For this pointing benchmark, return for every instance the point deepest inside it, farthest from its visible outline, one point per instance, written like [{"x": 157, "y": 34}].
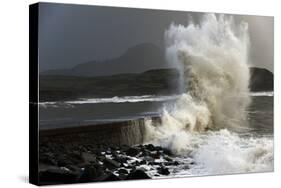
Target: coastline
[{"x": 105, "y": 152}]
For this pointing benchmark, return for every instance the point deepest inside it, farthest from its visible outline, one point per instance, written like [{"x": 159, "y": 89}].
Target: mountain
[
  {"x": 261, "y": 79},
  {"x": 136, "y": 59}
]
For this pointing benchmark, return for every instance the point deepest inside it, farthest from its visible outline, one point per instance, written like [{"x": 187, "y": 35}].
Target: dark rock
[
  {"x": 132, "y": 151},
  {"x": 63, "y": 160},
  {"x": 171, "y": 163},
  {"x": 109, "y": 177},
  {"x": 74, "y": 168},
  {"x": 145, "y": 152},
  {"x": 163, "y": 171},
  {"x": 57, "y": 175},
  {"x": 120, "y": 159},
  {"x": 89, "y": 158},
  {"x": 135, "y": 163},
  {"x": 155, "y": 154},
  {"x": 148, "y": 159},
  {"x": 167, "y": 158},
  {"x": 48, "y": 158},
  {"x": 158, "y": 148},
  {"x": 91, "y": 173},
  {"x": 154, "y": 163},
  {"x": 137, "y": 174},
  {"x": 150, "y": 147},
  {"x": 111, "y": 164},
  {"x": 75, "y": 157},
  {"x": 142, "y": 162},
  {"x": 167, "y": 152},
  {"x": 122, "y": 171},
  {"x": 142, "y": 168}
]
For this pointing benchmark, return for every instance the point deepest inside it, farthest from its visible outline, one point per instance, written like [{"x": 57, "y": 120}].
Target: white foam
[
  {"x": 116, "y": 99},
  {"x": 213, "y": 58},
  {"x": 263, "y": 93},
  {"x": 219, "y": 152}
]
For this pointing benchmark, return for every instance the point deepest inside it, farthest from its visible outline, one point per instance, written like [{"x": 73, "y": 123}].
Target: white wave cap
[{"x": 214, "y": 64}]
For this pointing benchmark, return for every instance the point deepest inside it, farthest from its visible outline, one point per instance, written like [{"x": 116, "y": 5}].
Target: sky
[{"x": 74, "y": 34}]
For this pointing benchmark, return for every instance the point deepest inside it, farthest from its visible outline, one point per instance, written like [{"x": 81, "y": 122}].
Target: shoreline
[{"x": 95, "y": 153}]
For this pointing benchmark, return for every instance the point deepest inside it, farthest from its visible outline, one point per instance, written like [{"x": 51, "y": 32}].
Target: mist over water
[{"x": 203, "y": 122}]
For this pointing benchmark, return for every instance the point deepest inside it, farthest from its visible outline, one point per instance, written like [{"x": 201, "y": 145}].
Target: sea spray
[{"x": 213, "y": 59}]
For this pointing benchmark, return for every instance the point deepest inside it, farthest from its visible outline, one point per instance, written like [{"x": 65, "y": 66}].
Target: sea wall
[{"x": 130, "y": 132}]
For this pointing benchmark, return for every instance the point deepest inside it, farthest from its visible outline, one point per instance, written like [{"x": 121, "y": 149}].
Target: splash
[{"x": 213, "y": 59}]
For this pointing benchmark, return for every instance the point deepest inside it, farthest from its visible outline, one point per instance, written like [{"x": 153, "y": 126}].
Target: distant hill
[
  {"x": 136, "y": 59},
  {"x": 261, "y": 79},
  {"x": 152, "y": 82}
]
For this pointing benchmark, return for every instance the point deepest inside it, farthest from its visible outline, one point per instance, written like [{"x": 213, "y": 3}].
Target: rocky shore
[{"x": 76, "y": 163}]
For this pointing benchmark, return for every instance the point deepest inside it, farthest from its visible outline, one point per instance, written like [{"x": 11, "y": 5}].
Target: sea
[{"x": 246, "y": 149}]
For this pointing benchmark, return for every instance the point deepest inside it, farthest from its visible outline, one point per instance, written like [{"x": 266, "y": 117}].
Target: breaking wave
[
  {"x": 213, "y": 59},
  {"x": 263, "y": 93},
  {"x": 129, "y": 99}
]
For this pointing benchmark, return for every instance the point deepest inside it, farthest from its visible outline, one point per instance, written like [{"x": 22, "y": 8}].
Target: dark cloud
[{"x": 73, "y": 34}]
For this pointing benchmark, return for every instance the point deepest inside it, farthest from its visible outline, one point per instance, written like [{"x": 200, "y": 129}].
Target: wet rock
[
  {"x": 163, "y": 171},
  {"x": 155, "y": 154},
  {"x": 154, "y": 163},
  {"x": 120, "y": 159},
  {"x": 158, "y": 148},
  {"x": 110, "y": 164},
  {"x": 137, "y": 174},
  {"x": 75, "y": 157},
  {"x": 74, "y": 168},
  {"x": 150, "y": 147},
  {"x": 57, "y": 175},
  {"x": 167, "y": 152},
  {"x": 109, "y": 177},
  {"x": 62, "y": 160},
  {"x": 122, "y": 171},
  {"x": 48, "y": 158},
  {"x": 132, "y": 151},
  {"x": 89, "y": 158},
  {"x": 142, "y": 162},
  {"x": 171, "y": 163},
  {"x": 90, "y": 173},
  {"x": 167, "y": 158}
]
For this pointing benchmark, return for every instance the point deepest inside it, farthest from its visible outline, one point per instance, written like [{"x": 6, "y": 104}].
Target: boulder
[
  {"x": 137, "y": 174},
  {"x": 110, "y": 164},
  {"x": 132, "y": 151},
  {"x": 150, "y": 147},
  {"x": 89, "y": 158},
  {"x": 162, "y": 170},
  {"x": 90, "y": 173},
  {"x": 122, "y": 171},
  {"x": 109, "y": 177}
]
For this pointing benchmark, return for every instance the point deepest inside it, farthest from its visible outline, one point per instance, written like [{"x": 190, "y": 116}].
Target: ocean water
[
  {"x": 244, "y": 149},
  {"x": 248, "y": 148},
  {"x": 93, "y": 111}
]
